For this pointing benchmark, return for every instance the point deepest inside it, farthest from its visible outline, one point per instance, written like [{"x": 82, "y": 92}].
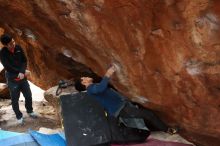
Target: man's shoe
[
  {"x": 21, "y": 121},
  {"x": 33, "y": 115},
  {"x": 172, "y": 130}
]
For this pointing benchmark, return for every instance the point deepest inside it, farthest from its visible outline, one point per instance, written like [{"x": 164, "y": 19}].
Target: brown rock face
[
  {"x": 4, "y": 92},
  {"x": 166, "y": 50},
  {"x": 2, "y": 76}
]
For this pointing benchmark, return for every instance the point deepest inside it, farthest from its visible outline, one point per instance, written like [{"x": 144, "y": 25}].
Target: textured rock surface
[
  {"x": 2, "y": 76},
  {"x": 4, "y": 92},
  {"x": 167, "y": 51},
  {"x": 50, "y": 96}
]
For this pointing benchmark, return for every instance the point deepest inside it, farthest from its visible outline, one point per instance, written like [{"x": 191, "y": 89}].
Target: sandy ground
[
  {"x": 46, "y": 113},
  {"x": 47, "y": 117}
]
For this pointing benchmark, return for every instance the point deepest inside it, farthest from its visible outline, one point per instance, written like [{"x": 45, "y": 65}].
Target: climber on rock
[
  {"x": 117, "y": 105},
  {"x": 15, "y": 63}
]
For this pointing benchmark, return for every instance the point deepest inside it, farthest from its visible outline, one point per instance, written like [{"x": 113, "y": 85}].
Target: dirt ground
[{"x": 47, "y": 117}]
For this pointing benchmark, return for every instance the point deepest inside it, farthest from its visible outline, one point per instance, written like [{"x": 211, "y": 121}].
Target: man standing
[{"x": 15, "y": 63}]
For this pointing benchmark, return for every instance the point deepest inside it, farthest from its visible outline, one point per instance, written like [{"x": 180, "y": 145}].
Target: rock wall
[{"x": 167, "y": 51}]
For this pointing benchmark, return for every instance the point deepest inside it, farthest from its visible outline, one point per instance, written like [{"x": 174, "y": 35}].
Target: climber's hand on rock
[
  {"x": 110, "y": 71},
  {"x": 27, "y": 73}
]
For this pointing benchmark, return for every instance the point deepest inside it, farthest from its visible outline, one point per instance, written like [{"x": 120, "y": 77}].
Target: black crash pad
[
  {"x": 84, "y": 120},
  {"x": 85, "y": 123}
]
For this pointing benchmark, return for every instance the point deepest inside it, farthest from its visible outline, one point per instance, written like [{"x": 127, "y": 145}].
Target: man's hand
[
  {"x": 27, "y": 73},
  {"x": 110, "y": 71},
  {"x": 21, "y": 76}
]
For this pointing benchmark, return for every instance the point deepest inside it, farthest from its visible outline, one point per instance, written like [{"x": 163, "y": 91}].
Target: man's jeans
[
  {"x": 151, "y": 120},
  {"x": 15, "y": 88}
]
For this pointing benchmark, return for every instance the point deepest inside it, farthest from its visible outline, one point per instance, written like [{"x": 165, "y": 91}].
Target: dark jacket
[
  {"x": 13, "y": 62},
  {"x": 111, "y": 100}
]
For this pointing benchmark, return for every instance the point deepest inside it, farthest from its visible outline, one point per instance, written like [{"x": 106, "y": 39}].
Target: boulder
[
  {"x": 167, "y": 51},
  {"x": 53, "y": 99},
  {"x": 4, "y": 92}
]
